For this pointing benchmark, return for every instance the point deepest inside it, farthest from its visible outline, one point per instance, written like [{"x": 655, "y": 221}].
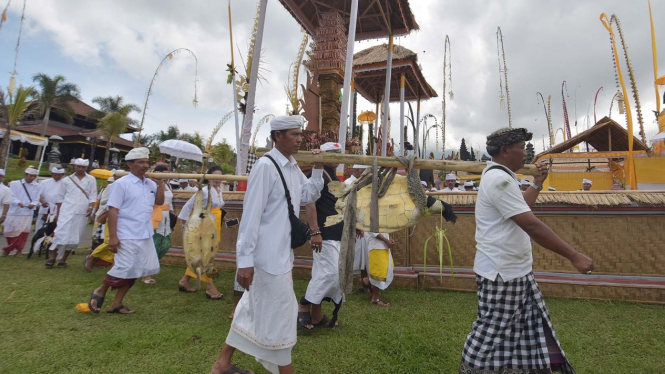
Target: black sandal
[
  {"x": 118, "y": 310},
  {"x": 49, "y": 264},
  {"x": 236, "y": 370},
  {"x": 98, "y": 299},
  {"x": 62, "y": 264},
  {"x": 304, "y": 319}
]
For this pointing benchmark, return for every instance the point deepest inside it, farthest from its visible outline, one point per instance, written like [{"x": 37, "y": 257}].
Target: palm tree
[
  {"x": 114, "y": 119},
  {"x": 14, "y": 110},
  {"x": 55, "y": 95}
]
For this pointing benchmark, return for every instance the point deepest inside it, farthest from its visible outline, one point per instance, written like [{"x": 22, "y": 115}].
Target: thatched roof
[
  {"x": 375, "y": 18},
  {"x": 369, "y": 68},
  {"x": 579, "y": 198},
  {"x": 605, "y": 136},
  {"x": 647, "y": 199}
]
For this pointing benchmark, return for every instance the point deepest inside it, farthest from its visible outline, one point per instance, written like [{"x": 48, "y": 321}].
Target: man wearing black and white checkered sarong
[{"x": 513, "y": 333}]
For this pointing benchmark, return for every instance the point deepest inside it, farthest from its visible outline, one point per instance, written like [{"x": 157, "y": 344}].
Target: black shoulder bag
[{"x": 300, "y": 232}]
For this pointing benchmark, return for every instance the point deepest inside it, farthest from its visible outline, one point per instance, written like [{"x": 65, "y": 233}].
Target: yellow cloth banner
[
  {"x": 572, "y": 181},
  {"x": 650, "y": 169},
  {"x": 379, "y": 263}
]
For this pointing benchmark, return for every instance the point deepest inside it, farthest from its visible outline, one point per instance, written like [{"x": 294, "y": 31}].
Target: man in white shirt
[
  {"x": 358, "y": 170},
  {"x": 191, "y": 185},
  {"x": 75, "y": 199},
  {"x": 468, "y": 186},
  {"x": 25, "y": 197},
  {"x": 5, "y": 198},
  {"x": 450, "y": 181},
  {"x": 49, "y": 190},
  {"x": 586, "y": 184},
  {"x": 129, "y": 222},
  {"x": 264, "y": 324},
  {"x": 513, "y": 332},
  {"x": 325, "y": 242}
]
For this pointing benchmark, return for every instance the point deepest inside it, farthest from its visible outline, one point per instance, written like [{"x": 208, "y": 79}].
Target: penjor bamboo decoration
[
  {"x": 208, "y": 146},
  {"x": 3, "y": 17},
  {"x": 292, "y": 88},
  {"x": 267, "y": 118},
  {"x": 447, "y": 66},
  {"x": 660, "y": 116},
  {"x": 547, "y": 117},
  {"x": 566, "y": 121},
  {"x": 501, "y": 55},
  {"x": 631, "y": 76},
  {"x": 168, "y": 57},
  {"x": 14, "y": 73},
  {"x": 629, "y": 166}
]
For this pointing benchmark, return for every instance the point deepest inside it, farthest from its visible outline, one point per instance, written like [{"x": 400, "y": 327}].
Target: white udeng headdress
[
  {"x": 286, "y": 123},
  {"x": 137, "y": 153},
  {"x": 81, "y": 162}
]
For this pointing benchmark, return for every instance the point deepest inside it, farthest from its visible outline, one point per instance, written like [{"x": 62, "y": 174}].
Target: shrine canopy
[
  {"x": 606, "y": 137},
  {"x": 370, "y": 66},
  {"x": 376, "y": 18}
]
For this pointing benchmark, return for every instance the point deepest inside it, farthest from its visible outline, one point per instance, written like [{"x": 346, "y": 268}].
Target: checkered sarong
[
  {"x": 511, "y": 332},
  {"x": 251, "y": 160}
]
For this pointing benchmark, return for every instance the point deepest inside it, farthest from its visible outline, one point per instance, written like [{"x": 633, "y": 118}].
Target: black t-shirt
[{"x": 325, "y": 206}]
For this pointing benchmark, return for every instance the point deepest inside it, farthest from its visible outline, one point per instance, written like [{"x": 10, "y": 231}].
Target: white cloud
[{"x": 113, "y": 48}]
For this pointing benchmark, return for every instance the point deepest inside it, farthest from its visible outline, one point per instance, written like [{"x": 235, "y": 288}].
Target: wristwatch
[{"x": 537, "y": 188}]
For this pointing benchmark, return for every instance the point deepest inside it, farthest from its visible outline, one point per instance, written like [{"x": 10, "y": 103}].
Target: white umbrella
[{"x": 181, "y": 149}]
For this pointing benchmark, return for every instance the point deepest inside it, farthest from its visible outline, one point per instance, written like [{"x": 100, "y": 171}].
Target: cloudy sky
[{"x": 112, "y": 47}]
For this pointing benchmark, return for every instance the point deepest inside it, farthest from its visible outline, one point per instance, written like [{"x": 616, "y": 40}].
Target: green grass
[{"x": 172, "y": 332}]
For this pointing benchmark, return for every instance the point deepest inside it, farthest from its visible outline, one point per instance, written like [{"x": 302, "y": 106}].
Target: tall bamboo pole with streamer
[
  {"x": 168, "y": 57},
  {"x": 447, "y": 77},
  {"x": 14, "y": 73},
  {"x": 566, "y": 120},
  {"x": 232, "y": 81},
  {"x": 657, "y": 81},
  {"x": 501, "y": 56},
  {"x": 3, "y": 17},
  {"x": 547, "y": 117},
  {"x": 629, "y": 166},
  {"x": 631, "y": 75}
]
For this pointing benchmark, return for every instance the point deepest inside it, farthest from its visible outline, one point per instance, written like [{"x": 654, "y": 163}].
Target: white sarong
[
  {"x": 15, "y": 225},
  {"x": 69, "y": 230},
  {"x": 135, "y": 259},
  {"x": 359, "y": 262},
  {"x": 265, "y": 320},
  {"x": 325, "y": 274}
]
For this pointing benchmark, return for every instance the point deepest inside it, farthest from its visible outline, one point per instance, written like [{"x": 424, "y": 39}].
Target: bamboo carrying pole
[
  {"x": 226, "y": 177},
  {"x": 468, "y": 166}
]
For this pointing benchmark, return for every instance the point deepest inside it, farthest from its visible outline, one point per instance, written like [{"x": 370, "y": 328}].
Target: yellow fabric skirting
[
  {"x": 379, "y": 263},
  {"x": 217, "y": 212},
  {"x": 102, "y": 251}
]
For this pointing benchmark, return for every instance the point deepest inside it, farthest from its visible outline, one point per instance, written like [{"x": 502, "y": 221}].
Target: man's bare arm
[{"x": 545, "y": 237}]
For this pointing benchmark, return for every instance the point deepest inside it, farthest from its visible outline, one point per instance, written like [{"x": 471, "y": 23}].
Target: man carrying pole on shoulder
[{"x": 513, "y": 332}]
